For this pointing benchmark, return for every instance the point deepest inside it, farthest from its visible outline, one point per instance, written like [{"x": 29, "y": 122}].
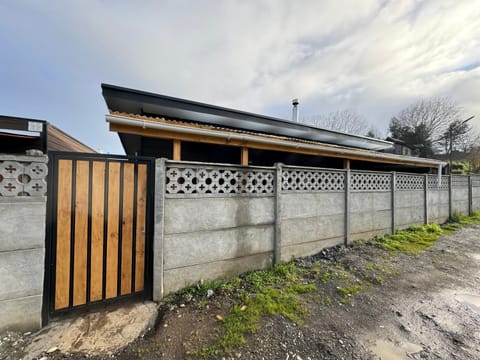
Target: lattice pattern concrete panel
[
  {"x": 370, "y": 182},
  {"x": 433, "y": 182},
  {"x": 218, "y": 181},
  {"x": 21, "y": 178},
  {"x": 409, "y": 182},
  {"x": 459, "y": 181},
  {"x": 312, "y": 180}
]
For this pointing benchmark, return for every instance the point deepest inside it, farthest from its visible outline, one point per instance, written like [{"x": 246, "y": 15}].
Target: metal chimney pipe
[{"x": 295, "y": 110}]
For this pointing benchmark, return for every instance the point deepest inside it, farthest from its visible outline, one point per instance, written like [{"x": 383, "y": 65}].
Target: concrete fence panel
[
  {"x": 475, "y": 193},
  {"x": 438, "y": 207},
  {"x": 409, "y": 208},
  {"x": 187, "y": 215},
  {"x": 22, "y": 240},
  {"x": 460, "y": 201},
  {"x": 218, "y": 221},
  {"x": 311, "y": 222},
  {"x": 460, "y": 195},
  {"x": 223, "y": 236},
  {"x": 370, "y": 215}
]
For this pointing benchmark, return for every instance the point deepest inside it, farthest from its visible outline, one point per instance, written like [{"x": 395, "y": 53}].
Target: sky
[{"x": 373, "y": 57}]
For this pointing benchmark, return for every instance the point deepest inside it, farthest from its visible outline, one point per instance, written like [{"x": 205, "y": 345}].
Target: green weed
[
  {"x": 350, "y": 290},
  {"x": 416, "y": 239},
  {"x": 268, "y": 302},
  {"x": 257, "y": 280},
  {"x": 413, "y": 240},
  {"x": 466, "y": 220},
  {"x": 301, "y": 289}
]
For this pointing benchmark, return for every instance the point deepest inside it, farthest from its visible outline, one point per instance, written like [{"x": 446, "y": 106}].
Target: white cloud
[{"x": 373, "y": 56}]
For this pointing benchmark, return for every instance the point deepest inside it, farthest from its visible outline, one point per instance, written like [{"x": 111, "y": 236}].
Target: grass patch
[
  {"x": 466, "y": 220},
  {"x": 268, "y": 293},
  {"x": 458, "y": 221},
  {"x": 350, "y": 290},
  {"x": 416, "y": 239},
  {"x": 413, "y": 240},
  {"x": 280, "y": 273}
]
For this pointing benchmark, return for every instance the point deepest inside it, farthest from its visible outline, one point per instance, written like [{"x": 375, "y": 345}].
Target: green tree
[
  {"x": 424, "y": 125},
  {"x": 417, "y": 138}
]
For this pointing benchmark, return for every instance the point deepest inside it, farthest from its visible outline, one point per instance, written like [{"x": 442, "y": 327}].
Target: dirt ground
[{"x": 423, "y": 306}]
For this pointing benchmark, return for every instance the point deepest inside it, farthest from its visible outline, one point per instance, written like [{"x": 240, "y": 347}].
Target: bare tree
[
  {"x": 426, "y": 124},
  {"x": 374, "y": 132},
  {"x": 347, "y": 121}
]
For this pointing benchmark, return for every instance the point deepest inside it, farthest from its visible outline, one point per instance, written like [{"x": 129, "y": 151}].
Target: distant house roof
[
  {"x": 144, "y": 103},
  {"x": 396, "y": 141},
  {"x": 20, "y": 134}
]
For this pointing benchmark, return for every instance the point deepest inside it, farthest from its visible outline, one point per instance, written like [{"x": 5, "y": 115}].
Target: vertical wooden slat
[
  {"x": 63, "y": 217},
  {"x": 177, "y": 150},
  {"x": 244, "y": 156},
  {"x": 96, "y": 267},
  {"x": 127, "y": 228},
  {"x": 81, "y": 223},
  {"x": 141, "y": 227},
  {"x": 112, "y": 230}
]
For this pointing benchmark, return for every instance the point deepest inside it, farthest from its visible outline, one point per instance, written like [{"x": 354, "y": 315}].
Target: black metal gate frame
[{"x": 50, "y": 239}]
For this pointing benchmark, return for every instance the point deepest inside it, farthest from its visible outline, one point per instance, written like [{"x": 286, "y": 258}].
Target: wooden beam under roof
[{"x": 291, "y": 147}]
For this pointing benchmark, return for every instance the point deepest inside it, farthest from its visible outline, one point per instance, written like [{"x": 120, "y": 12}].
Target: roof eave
[
  {"x": 333, "y": 150},
  {"x": 141, "y": 102}
]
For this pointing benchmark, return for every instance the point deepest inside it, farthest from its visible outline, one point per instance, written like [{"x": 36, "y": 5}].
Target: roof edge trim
[{"x": 338, "y": 150}]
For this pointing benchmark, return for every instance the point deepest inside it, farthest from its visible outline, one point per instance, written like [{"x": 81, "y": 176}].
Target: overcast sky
[{"x": 374, "y": 57}]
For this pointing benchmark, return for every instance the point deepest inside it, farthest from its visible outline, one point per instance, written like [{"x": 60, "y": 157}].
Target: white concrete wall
[
  {"x": 311, "y": 222},
  {"x": 22, "y": 249},
  {"x": 208, "y": 238}
]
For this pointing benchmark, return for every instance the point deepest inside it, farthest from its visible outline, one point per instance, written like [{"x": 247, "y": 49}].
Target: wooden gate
[{"x": 98, "y": 229}]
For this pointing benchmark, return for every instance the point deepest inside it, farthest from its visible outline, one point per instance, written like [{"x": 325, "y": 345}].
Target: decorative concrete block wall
[
  {"x": 218, "y": 221},
  {"x": 22, "y": 240},
  {"x": 410, "y": 198},
  {"x": 310, "y": 210},
  {"x": 214, "y": 221},
  {"x": 438, "y": 199}
]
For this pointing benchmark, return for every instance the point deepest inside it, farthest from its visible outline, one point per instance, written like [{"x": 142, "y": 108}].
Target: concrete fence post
[
  {"x": 393, "y": 186},
  {"x": 450, "y": 212},
  {"x": 347, "y": 207},
  {"x": 425, "y": 197},
  {"x": 470, "y": 196},
  {"x": 159, "y": 216},
  {"x": 277, "y": 245}
]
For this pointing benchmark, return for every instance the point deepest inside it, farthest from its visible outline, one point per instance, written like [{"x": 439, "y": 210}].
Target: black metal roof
[{"x": 132, "y": 101}]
